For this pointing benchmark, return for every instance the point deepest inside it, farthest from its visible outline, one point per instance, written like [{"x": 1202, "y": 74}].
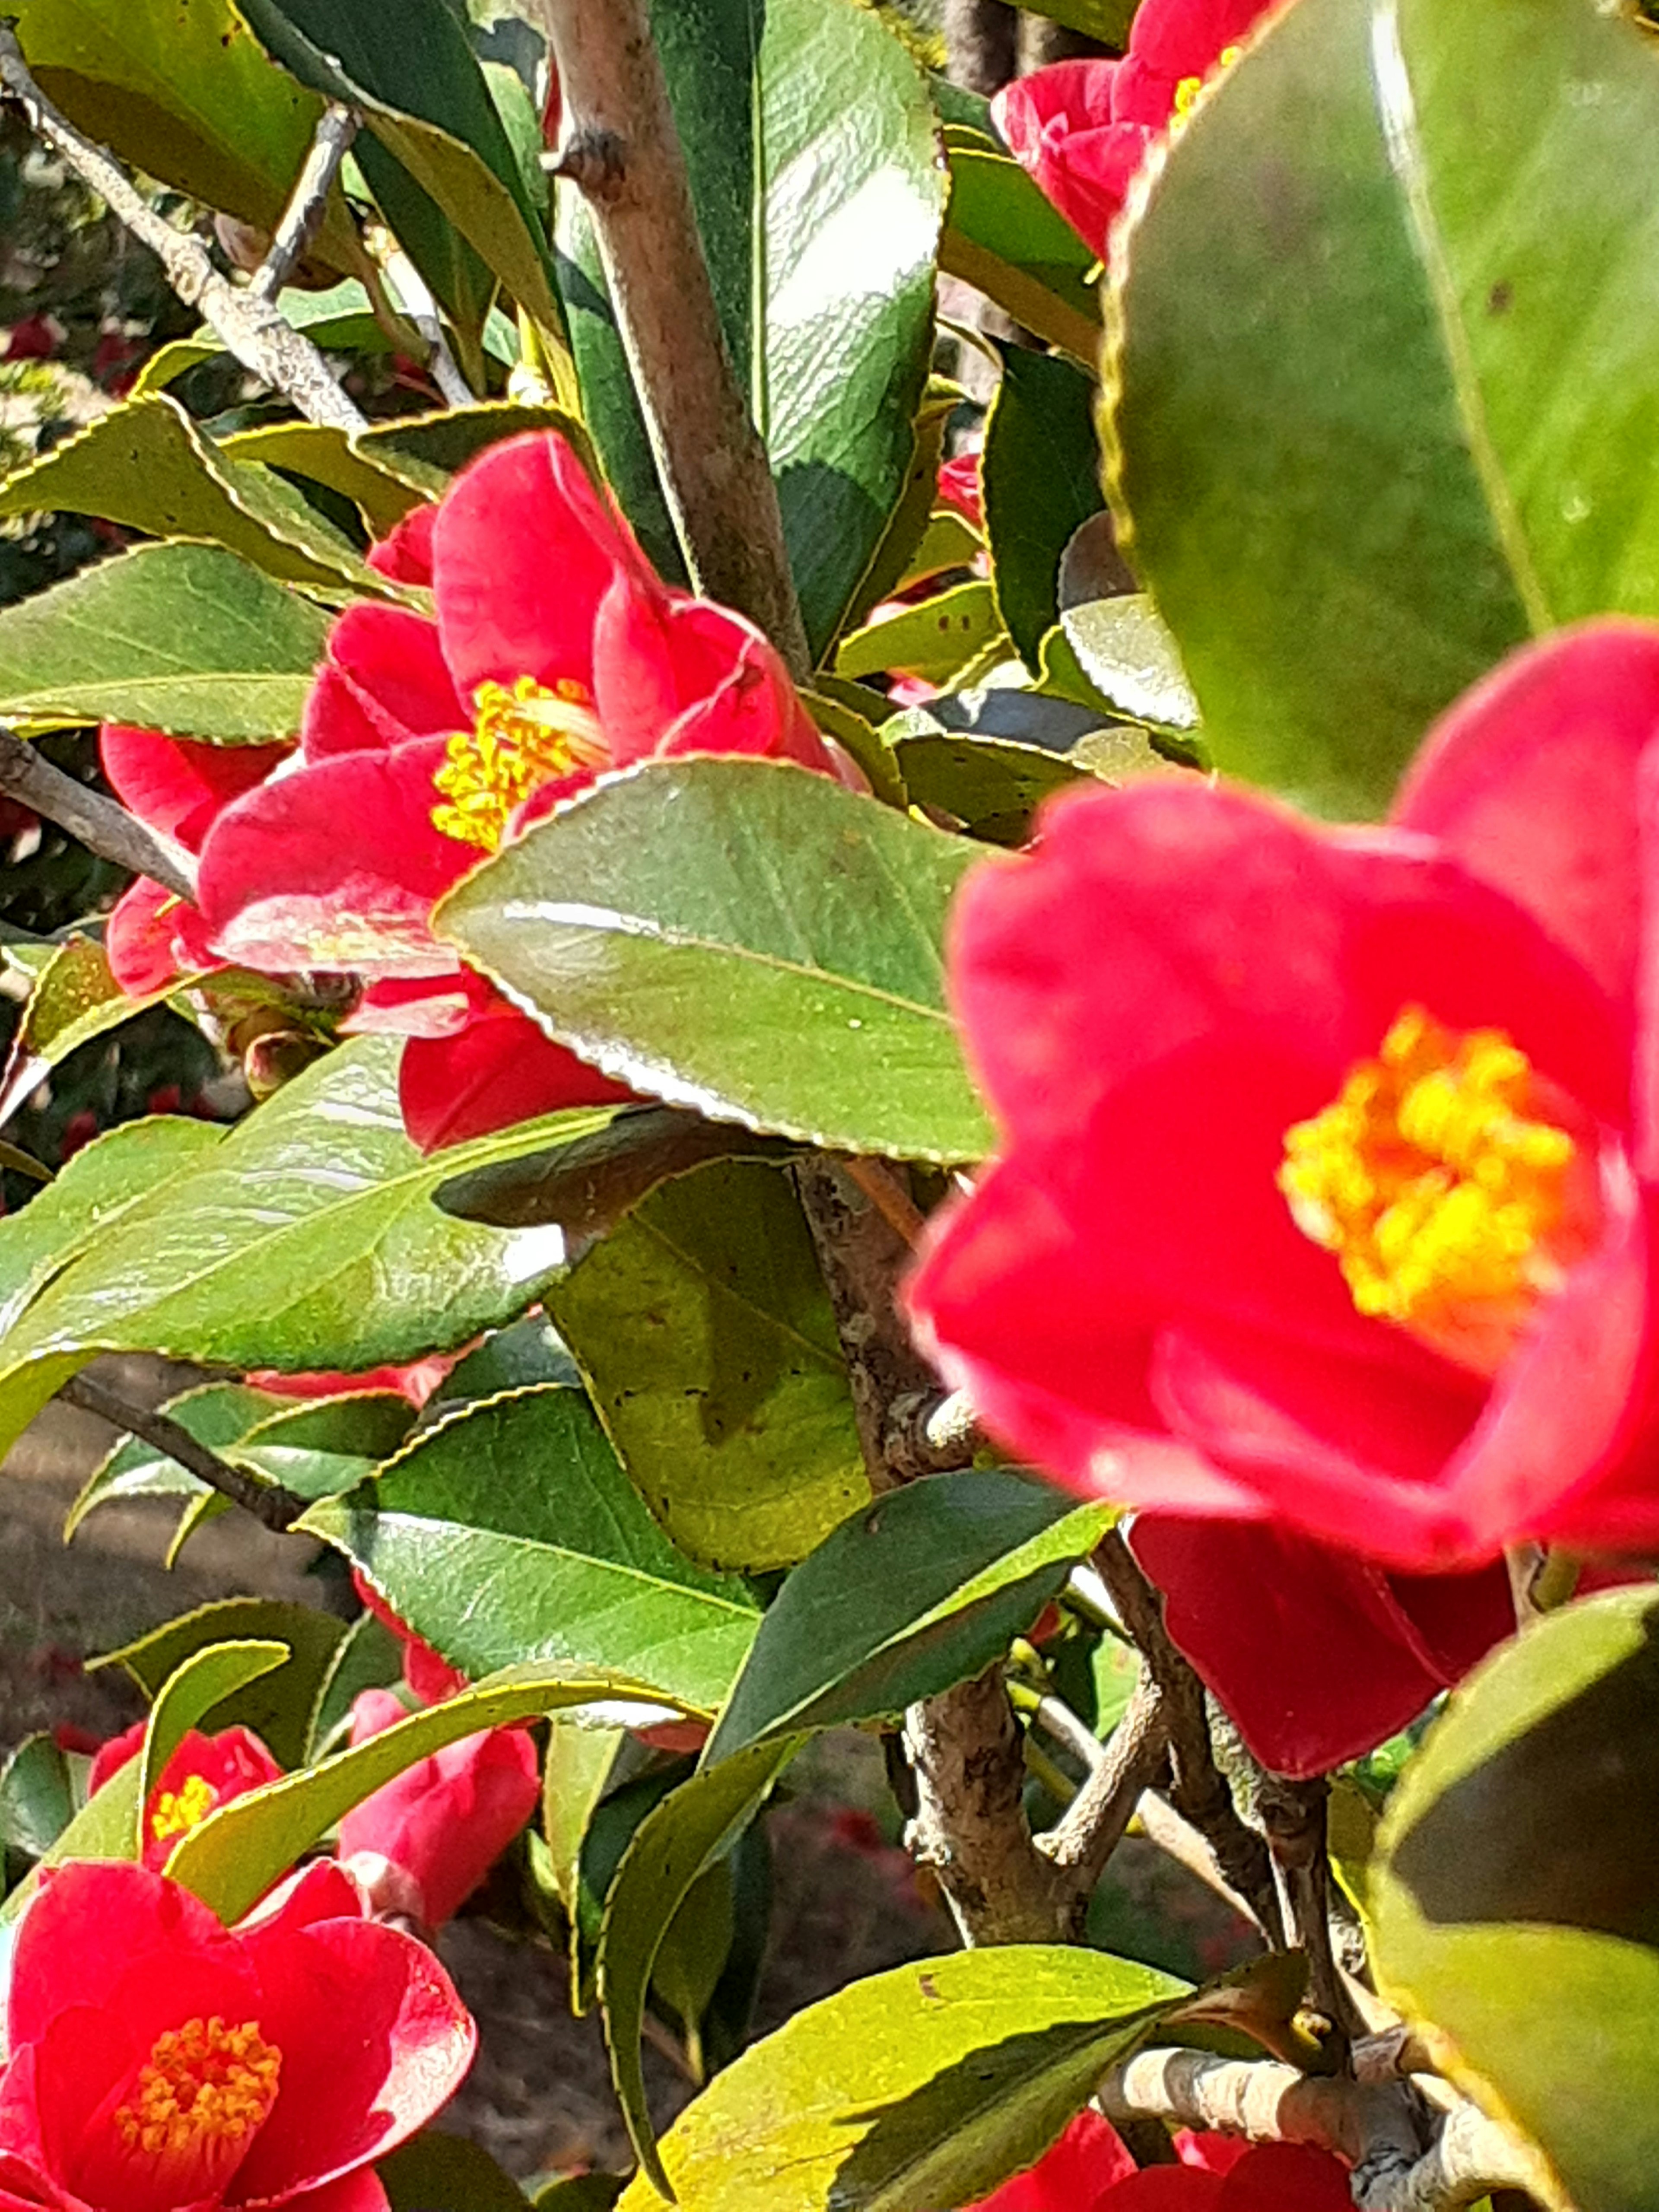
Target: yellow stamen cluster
[
  {"x": 1430, "y": 1180},
  {"x": 205, "y": 2091},
  {"x": 1186, "y": 92},
  {"x": 177, "y": 1814},
  {"x": 520, "y": 740}
]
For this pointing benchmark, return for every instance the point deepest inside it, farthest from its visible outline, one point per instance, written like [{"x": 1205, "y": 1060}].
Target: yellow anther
[
  {"x": 1186, "y": 92},
  {"x": 520, "y": 740},
  {"x": 1447, "y": 1201},
  {"x": 197, "y": 2104},
  {"x": 177, "y": 1814}
]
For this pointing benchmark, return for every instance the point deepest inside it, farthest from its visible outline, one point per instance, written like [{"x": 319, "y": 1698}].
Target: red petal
[
  {"x": 524, "y": 548},
  {"x": 1173, "y": 39},
  {"x": 320, "y": 1891},
  {"x": 140, "y": 938},
  {"x": 405, "y": 556},
  {"x": 1287, "y": 2177},
  {"x": 1072, "y": 2176},
  {"x": 374, "y": 2040},
  {"x": 176, "y": 786},
  {"x": 1530, "y": 780},
  {"x": 500, "y": 1069},
  {"x": 735, "y": 692},
  {"x": 447, "y": 1820},
  {"x": 353, "y": 2192},
  {"x": 1167, "y": 2189},
  {"x": 1062, "y": 124},
  {"x": 334, "y": 866},
  {"x": 112, "y": 1756},
  {"x": 231, "y": 1763},
  {"x": 386, "y": 681},
  {"x": 1211, "y": 2154}
]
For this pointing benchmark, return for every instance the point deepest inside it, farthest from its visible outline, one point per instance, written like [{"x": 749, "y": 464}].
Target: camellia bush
[{"x": 934, "y": 879}]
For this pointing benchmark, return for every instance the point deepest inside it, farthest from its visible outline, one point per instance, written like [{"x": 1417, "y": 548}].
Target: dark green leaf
[
  {"x": 991, "y": 786},
  {"x": 368, "y": 1656},
  {"x": 1041, "y": 471},
  {"x": 678, "y": 1843},
  {"x": 104, "y": 1828},
  {"x": 923, "y": 1589},
  {"x": 277, "y": 1705},
  {"x": 912, "y": 2090},
  {"x": 75, "y": 998},
  {"x": 510, "y": 1358},
  {"x": 1513, "y": 1900},
  {"x": 1109, "y": 20},
  {"x": 186, "y": 639},
  {"x": 583, "y": 2192},
  {"x": 1384, "y": 369},
  {"x": 1004, "y": 237},
  {"x": 217, "y": 1414},
  {"x": 424, "y": 451},
  {"x": 705, "y": 1332},
  {"x": 655, "y": 926},
  {"x": 509, "y": 1532},
  {"x": 447, "y": 2173},
  {"x": 37, "y": 1798},
  {"x": 327, "y": 455}
]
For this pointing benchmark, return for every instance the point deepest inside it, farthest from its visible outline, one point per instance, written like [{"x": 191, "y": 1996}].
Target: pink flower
[
  {"x": 204, "y": 1772},
  {"x": 1328, "y": 1155},
  {"x": 442, "y": 1823},
  {"x": 1082, "y": 128},
  {"x": 161, "y": 2063}
]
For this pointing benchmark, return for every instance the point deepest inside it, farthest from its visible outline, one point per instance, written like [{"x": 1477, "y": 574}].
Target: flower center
[
  {"x": 1450, "y": 1203},
  {"x": 197, "y": 2105},
  {"x": 1186, "y": 92},
  {"x": 177, "y": 1814},
  {"x": 520, "y": 740}
]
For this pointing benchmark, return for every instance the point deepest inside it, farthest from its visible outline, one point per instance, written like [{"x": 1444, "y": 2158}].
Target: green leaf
[
  {"x": 580, "y": 2192},
  {"x": 439, "y": 2171},
  {"x": 992, "y": 785},
  {"x": 147, "y": 465},
  {"x": 576, "y": 1772},
  {"x": 319, "y": 1450},
  {"x": 923, "y": 1589},
  {"x": 820, "y": 217},
  {"x": 936, "y": 639},
  {"x": 424, "y": 451},
  {"x": 276, "y": 1707},
  {"x": 510, "y": 1358},
  {"x": 73, "y": 1000},
  {"x": 509, "y": 1533},
  {"x": 705, "y": 1332},
  {"x": 287, "y": 1248},
  {"x": 676, "y": 1845},
  {"x": 1129, "y": 657},
  {"x": 1003, "y": 237},
  {"x": 234, "y": 1855},
  {"x": 911, "y": 2090},
  {"x": 217, "y": 1414},
  {"x": 1041, "y": 470},
  {"x": 429, "y": 122},
  {"x": 327, "y": 456},
  {"x": 206, "y": 1680},
  {"x": 1109, "y": 20},
  {"x": 653, "y": 926},
  {"x": 37, "y": 1796},
  {"x": 186, "y": 95},
  {"x": 1382, "y": 371},
  {"x": 891, "y": 564},
  {"x": 185, "y": 639},
  {"x": 104, "y": 1828},
  {"x": 368, "y": 1656},
  {"x": 1512, "y": 1898}
]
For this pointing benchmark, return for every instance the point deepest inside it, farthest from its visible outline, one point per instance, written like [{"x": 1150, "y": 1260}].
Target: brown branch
[
  {"x": 1092, "y": 1824},
  {"x": 302, "y": 217},
  {"x": 278, "y": 1508},
  {"x": 930, "y": 1433},
  {"x": 623, "y": 153},
  {"x": 101, "y": 825},
  {"x": 1379, "y": 2131},
  {"x": 1294, "y": 1815},
  {"x": 246, "y": 325}
]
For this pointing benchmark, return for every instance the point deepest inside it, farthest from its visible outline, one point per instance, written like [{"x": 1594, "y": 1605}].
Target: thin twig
[
  {"x": 1090, "y": 1828},
  {"x": 622, "y": 151},
  {"x": 302, "y": 217},
  {"x": 1071, "y": 1731},
  {"x": 246, "y": 325},
  {"x": 1294, "y": 1815},
  {"x": 884, "y": 1192},
  {"x": 101, "y": 824},
  {"x": 278, "y": 1508},
  {"x": 1379, "y": 2130},
  {"x": 930, "y": 1432}
]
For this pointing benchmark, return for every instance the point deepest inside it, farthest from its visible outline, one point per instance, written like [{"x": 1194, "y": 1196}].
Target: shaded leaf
[
  {"x": 436, "y": 2170},
  {"x": 650, "y": 925},
  {"x": 217, "y": 1414},
  {"x": 424, "y": 451},
  {"x": 991, "y": 786},
  {"x": 705, "y": 1332},
  {"x": 936, "y": 639},
  {"x": 1041, "y": 470},
  {"x": 1003, "y": 237},
  {"x": 368, "y": 1656},
  {"x": 37, "y": 1798},
  {"x": 276, "y": 1705},
  {"x": 327, "y": 456}
]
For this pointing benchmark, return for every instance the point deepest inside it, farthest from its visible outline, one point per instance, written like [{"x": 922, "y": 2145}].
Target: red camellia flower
[
  {"x": 442, "y": 1823},
  {"x": 556, "y": 653},
  {"x": 1082, "y": 128},
  {"x": 1089, "y": 2170},
  {"x": 204, "y": 1773},
  {"x": 163, "y": 2062},
  {"x": 1328, "y": 1154}
]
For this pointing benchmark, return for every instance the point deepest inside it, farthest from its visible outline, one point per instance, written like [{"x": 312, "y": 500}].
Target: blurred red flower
[{"x": 1089, "y": 2170}]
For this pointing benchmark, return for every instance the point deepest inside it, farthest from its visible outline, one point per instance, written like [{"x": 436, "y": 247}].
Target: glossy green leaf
[
  {"x": 217, "y": 1414},
  {"x": 844, "y": 711},
  {"x": 424, "y": 451},
  {"x": 186, "y": 95},
  {"x": 368, "y": 1656},
  {"x": 705, "y": 1332},
  {"x": 509, "y": 1358},
  {"x": 923, "y": 2088},
  {"x": 676, "y": 1845},
  {"x": 200, "y": 1683},
  {"x": 234, "y": 1855},
  {"x": 820, "y": 216},
  {"x": 1383, "y": 369},
  {"x": 936, "y": 639},
  {"x": 186, "y": 639},
  {"x": 1512, "y": 1897},
  {"x": 104, "y": 1828},
  {"x": 652, "y": 926},
  {"x": 576, "y": 1771},
  {"x": 147, "y": 465},
  {"x": 327, "y": 456},
  {"x": 923, "y": 1589},
  {"x": 510, "y": 1533},
  {"x": 1129, "y": 657},
  {"x": 991, "y": 785},
  {"x": 73, "y": 1000},
  {"x": 37, "y": 1796},
  {"x": 1003, "y": 237},
  {"x": 438, "y": 2173},
  {"x": 949, "y": 542},
  {"x": 255, "y": 1259},
  {"x": 1041, "y": 471},
  {"x": 1109, "y": 20},
  {"x": 276, "y": 1705}
]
